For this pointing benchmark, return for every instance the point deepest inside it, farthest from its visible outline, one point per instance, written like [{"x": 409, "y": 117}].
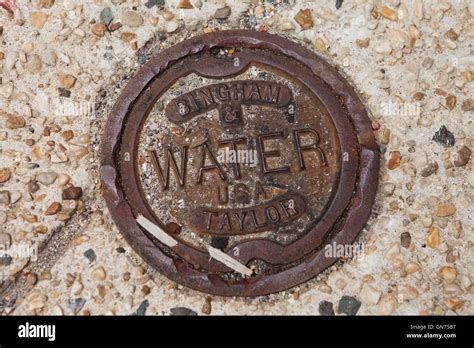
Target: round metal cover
[{"x": 231, "y": 159}]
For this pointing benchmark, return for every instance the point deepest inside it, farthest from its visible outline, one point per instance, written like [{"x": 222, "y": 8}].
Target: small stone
[
  {"x": 99, "y": 29},
  {"x": 207, "y": 305},
  {"x": 182, "y": 311},
  {"x": 467, "y": 105},
  {"x": 84, "y": 139},
  {"x": 448, "y": 273},
  {"x": 115, "y": 26},
  {"x": 184, "y": 4},
  {"x": 320, "y": 45},
  {"x": 463, "y": 156},
  {"x": 67, "y": 135},
  {"x": 222, "y": 13},
  {"x": 362, "y": 43},
  {"x": 141, "y": 310},
  {"x": 323, "y": 287},
  {"x": 433, "y": 238},
  {"x": 171, "y": 27},
  {"x": 389, "y": 14},
  {"x": 444, "y": 210},
  {"x": 36, "y": 302},
  {"x": 5, "y": 239},
  {"x": 64, "y": 215},
  {"x": 72, "y": 193},
  {"x": 49, "y": 57},
  {"x": 145, "y": 290},
  {"x": 388, "y": 189},
  {"x": 304, "y": 19},
  {"x": 6, "y": 260},
  {"x": 286, "y": 26},
  {"x": 106, "y": 15},
  {"x": 387, "y": 305},
  {"x": 167, "y": 15},
  {"x": 33, "y": 66},
  {"x": 15, "y": 197},
  {"x": 382, "y": 47},
  {"x": 102, "y": 291},
  {"x": 370, "y": 295},
  {"x": 348, "y": 305},
  {"x": 67, "y": 81},
  {"x": 98, "y": 274},
  {"x": 412, "y": 267},
  {"x": 128, "y": 37},
  {"x": 132, "y": 19},
  {"x": 90, "y": 255},
  {"x": 157, "y": 3},
  {"x": 76, "y": 304},
  {"x": 64, "y": 92},
  {"x": 5, "y": 174},
  {"x": 454, "y": 303},
  {"x": 394, "y": 160},
  {"x": 427, "y": 63},
  {"x": 30, "y": 218},
  {"x": 76, "y": 288},
  {"x": 259, "y": 11},
  {"x": 418, "y": 96},
  {"x": 6, "y": 90},
  {"x": 326, "y": 308},
  {"x": 63, "y": 179},
  {"x": 429, "y": 169},
  {"x": 45, "y": 275},
  {"x": 407, "y": 292},
  {"x": 451, "y": 255},
  {"x": 83, "y": 151},
  {"x": 79, "y": 33},
  {"x": 15, "y": 122},
  {"x": 393, "y": 252},
  {"x": 70, "y": 278},
  {"x": 444, "y": 137},
  {"x": 450, "y": 101},
  {"x": 153, "y": 20},
  {"x": 126, "y": 276},
  {"x": 56, "y": 310},
  {"x": 33, "y": 186},
  {"x": 3, "y": 217},
  {"x": 41, "y": 229},
  {"x": 339, "y": 4},
  {"x": 45, "y": 3},
  {"x": 38, "y": 19},
  {"x": 53, "y": 208},
  {"x": 405, "y": 240},
  {"x": 46, "y": 178},
  {"x": 10, "y": 60},
  {"x": 385, "y": 136},
  {"x": 452, "y": 35}
]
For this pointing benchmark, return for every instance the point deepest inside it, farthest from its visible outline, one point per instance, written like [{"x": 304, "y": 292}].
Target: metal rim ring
[{"x": 359, "y": 193}]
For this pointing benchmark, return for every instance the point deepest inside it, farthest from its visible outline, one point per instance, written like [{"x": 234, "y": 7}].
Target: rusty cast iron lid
[{"x": 232, "y": 159}]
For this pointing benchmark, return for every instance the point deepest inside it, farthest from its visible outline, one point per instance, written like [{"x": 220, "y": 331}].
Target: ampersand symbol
[{"x": 230, "y": 114}]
